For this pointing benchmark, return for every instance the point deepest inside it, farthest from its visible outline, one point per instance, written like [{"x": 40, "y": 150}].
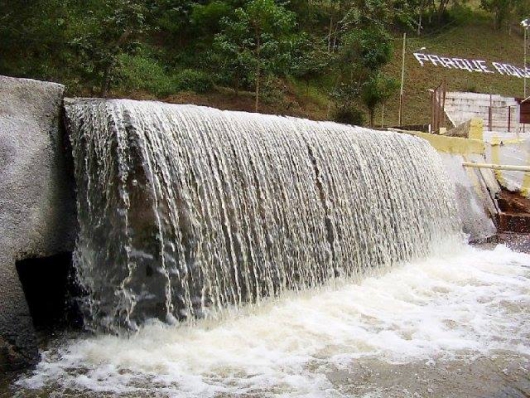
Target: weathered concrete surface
[
  {"x": 37, "y": 204},
  {"x": 509, "y": 149},
  {"x": 461, "y": 106},
  {"x": 452, "y": 145},
  {"x": 474, "y": 188},
  {"x": 472, "y": 129}
]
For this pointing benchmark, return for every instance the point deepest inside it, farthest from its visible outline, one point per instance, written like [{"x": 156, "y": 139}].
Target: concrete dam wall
[{"x": 38, "y": 221}]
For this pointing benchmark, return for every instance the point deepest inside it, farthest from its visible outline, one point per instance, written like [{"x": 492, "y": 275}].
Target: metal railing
[
  {"x": 496, "y": 166},
  {"x": 509, "y": 120}
]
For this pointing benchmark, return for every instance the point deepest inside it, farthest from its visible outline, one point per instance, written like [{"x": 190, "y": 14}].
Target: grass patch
[{"x": 475, "y": 41}]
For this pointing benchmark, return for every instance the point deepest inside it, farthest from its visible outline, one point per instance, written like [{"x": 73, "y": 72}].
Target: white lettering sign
[{"x": 472, "y": 65}]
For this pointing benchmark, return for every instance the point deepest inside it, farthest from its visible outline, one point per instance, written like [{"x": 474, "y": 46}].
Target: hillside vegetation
[
  {"x": 321, "y": 59},
  {"x": 476, "y": 39}
]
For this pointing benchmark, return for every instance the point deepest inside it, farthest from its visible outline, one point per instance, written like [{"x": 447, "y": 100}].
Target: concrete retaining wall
[
  {"x": 462, "y": 106},
  {"x": 37, "y": 204},
  {"x": 474, "y": 188},
  {"x": 509, "y": 149}
]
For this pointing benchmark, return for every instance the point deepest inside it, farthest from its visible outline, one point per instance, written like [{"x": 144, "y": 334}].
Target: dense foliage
[{"x": 163, "y": 47}]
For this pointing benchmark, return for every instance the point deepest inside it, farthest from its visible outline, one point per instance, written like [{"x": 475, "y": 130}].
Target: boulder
[{"x": 37, "y": 201}]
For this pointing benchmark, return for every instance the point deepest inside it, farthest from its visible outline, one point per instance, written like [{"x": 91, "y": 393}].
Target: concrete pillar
[{"x": 37, "y": 203}]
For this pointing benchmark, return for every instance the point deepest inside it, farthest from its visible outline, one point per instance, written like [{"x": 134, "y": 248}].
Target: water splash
[
  {"x": 187, "y": 210},
  {"x": 461, "y": 306}
]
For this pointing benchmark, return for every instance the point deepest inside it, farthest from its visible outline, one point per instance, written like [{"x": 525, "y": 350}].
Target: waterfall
[{"x": 185, "y": 210}]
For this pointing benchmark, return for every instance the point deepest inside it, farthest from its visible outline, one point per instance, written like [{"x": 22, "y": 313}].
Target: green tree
[
  {"x": 376, "y": 91},
  {"x": 501, "y": 9},
  {"x": 309, "y": 59},
  {"x": 362, "y": 54},
  {"x": 439, "y": 7},
  {"x": 256, "y": 39},
  {"x": 206, "y": 18},
  {"x": 33, "y": 38},
  {"x": 104, "y": 33}
]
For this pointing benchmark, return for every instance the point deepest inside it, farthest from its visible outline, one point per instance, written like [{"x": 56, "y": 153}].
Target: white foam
[{"x": 471, "y": 303}]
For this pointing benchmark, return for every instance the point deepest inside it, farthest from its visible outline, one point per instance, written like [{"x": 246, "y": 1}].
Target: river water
[{"x": 455, "y": 324}]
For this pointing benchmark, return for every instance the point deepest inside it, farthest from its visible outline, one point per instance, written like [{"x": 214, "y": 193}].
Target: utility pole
[
  {"x": 526, "y": 24},
  {"x": 400, "y": 114}
]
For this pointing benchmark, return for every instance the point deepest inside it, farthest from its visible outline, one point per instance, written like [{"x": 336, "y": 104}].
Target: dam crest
[{"x": 185, "y": 210}]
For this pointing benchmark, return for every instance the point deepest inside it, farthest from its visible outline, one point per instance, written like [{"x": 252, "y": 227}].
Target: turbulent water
[
  {"x": 452, "y": 325},
  {"x": 187, "y": 210}
]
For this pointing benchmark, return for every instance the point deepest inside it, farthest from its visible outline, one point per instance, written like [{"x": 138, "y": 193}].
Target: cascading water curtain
[{"x": 184, "y": 210}]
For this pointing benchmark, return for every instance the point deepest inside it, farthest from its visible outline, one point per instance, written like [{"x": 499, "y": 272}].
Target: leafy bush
[
  {"x": 273, "y": 90},
  {"x": 194, "y": 80},
  {"x": 140, "y": 72},
  {"x": 376, "y": 91},
  {"x": 349, "y": 115},
  {"x": 462, "y": 14}
]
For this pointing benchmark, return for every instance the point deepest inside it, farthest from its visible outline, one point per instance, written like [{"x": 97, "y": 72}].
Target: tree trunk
[
  {"x": 258, "y": 72},
  {"x": 432, "y": 11},
  {"x": 257, "y": 86},
  {"x": 330, "y": 33},
  {"x": 105, "y": 85},
  {"x": 499, "y": 19},
  {"x": 441, "y": 9}
]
